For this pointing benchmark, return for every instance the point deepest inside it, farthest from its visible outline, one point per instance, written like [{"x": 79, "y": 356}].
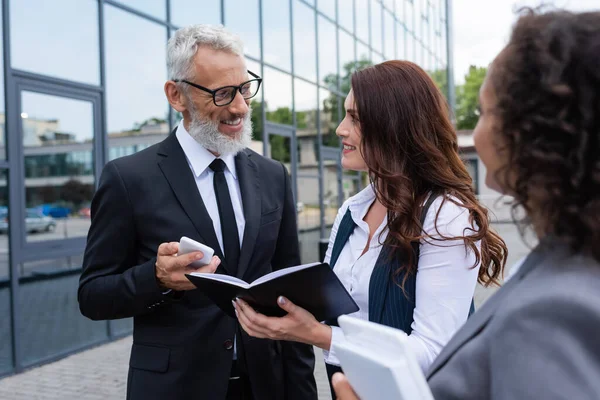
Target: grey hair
[{"x": 183, "y": 45}]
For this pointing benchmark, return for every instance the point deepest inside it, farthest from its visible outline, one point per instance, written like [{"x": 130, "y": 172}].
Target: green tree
[
  {"x": 440, "y": 77},
  {"x": 467, "y": 96},
  {"x": 330, "y": 104}
]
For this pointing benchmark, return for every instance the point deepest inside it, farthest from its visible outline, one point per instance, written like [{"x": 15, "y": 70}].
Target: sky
[{"x": 482, "y": 28}]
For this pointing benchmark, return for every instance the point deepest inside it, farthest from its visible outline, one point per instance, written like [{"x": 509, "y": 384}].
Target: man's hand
[{"x": 171, "y": 268}]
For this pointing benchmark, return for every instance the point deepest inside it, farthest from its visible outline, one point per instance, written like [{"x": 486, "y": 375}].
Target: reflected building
[{"x": 92, "y": 91}]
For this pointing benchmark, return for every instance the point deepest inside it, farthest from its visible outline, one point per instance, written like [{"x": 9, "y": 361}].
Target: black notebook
[{"x": 314, "y": 287}]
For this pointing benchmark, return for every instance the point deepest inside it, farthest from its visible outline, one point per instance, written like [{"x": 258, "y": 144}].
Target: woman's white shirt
[{"x": 445, "y": 280}]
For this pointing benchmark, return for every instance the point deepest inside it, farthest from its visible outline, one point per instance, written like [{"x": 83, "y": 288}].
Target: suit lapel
[
  {"x": 173, "y": 164},
  {"x": 477, "y": 322},
  {"x": 249, "y": 181}
]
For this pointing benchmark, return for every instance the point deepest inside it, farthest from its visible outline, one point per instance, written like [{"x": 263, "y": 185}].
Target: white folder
[{"x": 379, "y": 363}]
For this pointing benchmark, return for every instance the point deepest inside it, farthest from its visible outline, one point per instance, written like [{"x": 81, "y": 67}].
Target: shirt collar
[{"x": 198, "y": 157}]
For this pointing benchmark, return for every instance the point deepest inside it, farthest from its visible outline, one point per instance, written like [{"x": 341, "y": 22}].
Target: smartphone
[{"x": 187, "y": 245}]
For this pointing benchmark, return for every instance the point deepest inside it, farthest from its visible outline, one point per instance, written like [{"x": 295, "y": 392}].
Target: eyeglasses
[{"x": 224, "y": 95}]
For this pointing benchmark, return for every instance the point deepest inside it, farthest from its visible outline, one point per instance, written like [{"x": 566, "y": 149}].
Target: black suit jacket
[{"x": 182, "y": 347}]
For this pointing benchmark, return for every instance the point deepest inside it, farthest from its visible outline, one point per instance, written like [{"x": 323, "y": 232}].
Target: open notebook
[
  {"x": 378, "y": 362},
  {"x": 314, "y": 287}
]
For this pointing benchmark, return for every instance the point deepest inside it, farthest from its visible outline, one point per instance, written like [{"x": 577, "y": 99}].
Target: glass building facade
[{"x": 82, "y": 83}]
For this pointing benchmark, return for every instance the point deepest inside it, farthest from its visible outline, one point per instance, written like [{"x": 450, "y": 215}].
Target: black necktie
[{"x": 229, "y": 230}]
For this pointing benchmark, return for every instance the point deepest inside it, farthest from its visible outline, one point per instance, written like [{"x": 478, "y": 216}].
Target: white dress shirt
[
  {"x": 199, "y": 159},
  {"x": 445, "y": 281}
]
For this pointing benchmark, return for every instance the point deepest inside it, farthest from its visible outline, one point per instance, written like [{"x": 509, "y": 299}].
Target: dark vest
[{"x": 388, "y": 304}]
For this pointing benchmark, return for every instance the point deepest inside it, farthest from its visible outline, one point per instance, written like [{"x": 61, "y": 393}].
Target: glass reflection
[
  {"x": 362, "y": 20},
  {"x": 347, "y": 60},
  {"x": 58, "y": 159},
  {"x": 329, "y": 117},
  {"x": 276, "y": 38},
  {"x": 2, "y": 112},
  {"x": 376, "y": 26},
  {"x": 327, "y": 7},
  {"x": 346, "y": 15},
  {"x": 188, "y": 12},
  {"x": 305, "y": 54},
  {"x": 390, "y": 37},
  {"x": 155, "y": 8},
  {"x": 241, "y": 16},
  {"x": 68, "y": 53},
  {"x": 137, "y": 111},
  {"x": 51, "y": 322},
  {"x": 278, "y": 96},
  {"x": 327, "y": 53}
]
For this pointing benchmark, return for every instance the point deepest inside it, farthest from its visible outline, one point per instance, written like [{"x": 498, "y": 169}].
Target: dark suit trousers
[{"x": 332, "y": 369}]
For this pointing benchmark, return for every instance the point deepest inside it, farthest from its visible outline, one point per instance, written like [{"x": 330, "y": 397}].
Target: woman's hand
[
  {"x": 298, "y": 325},
  {"x": 342, "y": 387}
]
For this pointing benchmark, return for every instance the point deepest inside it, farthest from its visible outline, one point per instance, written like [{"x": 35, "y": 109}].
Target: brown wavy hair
[
  {"x": 411, "y": 150},
  {"x": 547, "y": 86}
]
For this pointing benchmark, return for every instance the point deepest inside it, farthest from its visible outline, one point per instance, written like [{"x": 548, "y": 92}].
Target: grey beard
[{"x": 206, "y": 132}]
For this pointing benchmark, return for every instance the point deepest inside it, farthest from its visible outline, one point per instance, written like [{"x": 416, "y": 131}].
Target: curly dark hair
[
  {"x": 547, "y": 86},
  {"x": 411, "y": 150}
]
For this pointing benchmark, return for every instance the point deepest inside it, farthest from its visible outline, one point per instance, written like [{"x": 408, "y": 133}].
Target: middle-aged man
[{"x": 201, "y": 182}]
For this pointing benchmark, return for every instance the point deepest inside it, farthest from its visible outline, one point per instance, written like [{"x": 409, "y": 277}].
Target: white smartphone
[{"x": 187, "y": 245}]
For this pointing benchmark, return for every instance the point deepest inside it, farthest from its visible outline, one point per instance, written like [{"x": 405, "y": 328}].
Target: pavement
[{"x": 101, "y": 372}]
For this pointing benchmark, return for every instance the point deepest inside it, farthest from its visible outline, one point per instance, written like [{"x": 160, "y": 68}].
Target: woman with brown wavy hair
[
  {"x": 538, "y": 135},
  {"x": 410, "y": 247}
]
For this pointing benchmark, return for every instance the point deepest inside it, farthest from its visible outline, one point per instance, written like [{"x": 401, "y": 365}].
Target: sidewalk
[{"x": 96, "y": 374}]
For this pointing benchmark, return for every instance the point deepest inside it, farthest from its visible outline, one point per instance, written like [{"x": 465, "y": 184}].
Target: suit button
[{"x": 228, "y": 344}]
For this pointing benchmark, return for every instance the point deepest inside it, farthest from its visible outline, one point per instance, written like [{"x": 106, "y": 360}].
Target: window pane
[
  {"x": 329, "y": 117},
  {"x": 278, "y": 96},
  {"x": 410, "y": 47},
  {"x": 377, "y": 58},
  {"x": 327, "y": 53},
  {"x": 49, "y": 311},
  {"x": 136, "y": 107},
  {"x": 305, "y": 54},
  {"x": 376, "y": 26},
  {"x": 190, "y": 12},
  {"x": 400, "y": 9},
  {"x": 256, "y": 107},
  {"x": 389, "y": 39},
  {"x": 346, "y": 60},
  {"x": 346, "y": 15},
  {"x": 306, "y": 114},
  {"x": 409, "y": 16},
  {"x": 58, "y": 156},
  {"x": 400, "y": 42},
  {"x": 155, "y": 8},
  {"x": 6, "y": 363},
  {"x": 362, "y": 20},
  {"x": 327, "y": 7},
  {"x": 241, "y": 16},
  {"x": 38, "y": 45},
  {"x": 362, "y": 52},
  {"x": 276, "y": 38}
]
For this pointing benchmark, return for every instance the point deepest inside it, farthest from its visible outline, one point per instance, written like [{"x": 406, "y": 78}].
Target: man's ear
[{"x": 175, "y": 96}]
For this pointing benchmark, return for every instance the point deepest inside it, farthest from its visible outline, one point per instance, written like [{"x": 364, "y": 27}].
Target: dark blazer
[
  {"x": 538, "y": 337},
  {"x": 182, "y": 348}
]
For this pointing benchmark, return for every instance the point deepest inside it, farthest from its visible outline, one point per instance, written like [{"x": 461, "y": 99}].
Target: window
[
  {"x": 276, "y": 37},
  {"x": 305, "y": 53},
  {"x": 376, "y": 26},
  {"x": 155, "y": 8},
  {"x": 327, "y": 53},
  {"x": 56, "y": 38},
  {"x": 241, "y": 16},
  {"x": 189, "y": 12}
]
